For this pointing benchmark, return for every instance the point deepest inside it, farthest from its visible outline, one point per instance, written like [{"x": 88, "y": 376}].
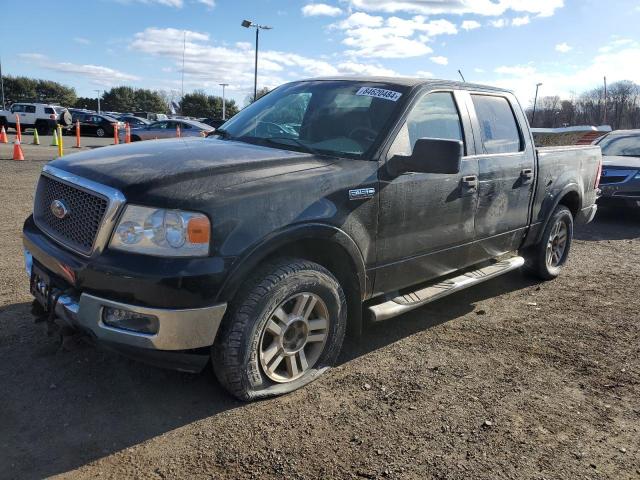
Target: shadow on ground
[
  {"x": 63, "y": 409},
  {"x": 611, "y": 223}
]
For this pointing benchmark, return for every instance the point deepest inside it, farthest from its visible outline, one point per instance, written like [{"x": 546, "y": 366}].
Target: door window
[
  {"x": 30, "y": 108},
  {"x": 434, "y": 116},
  {"x": 17, "y": 109},
  {"x": 498, "y": 127}
]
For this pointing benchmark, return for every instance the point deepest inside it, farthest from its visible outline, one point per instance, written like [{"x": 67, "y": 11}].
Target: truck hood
[
  {"x": 194, "y": 165},
  {"x": 622, "y": 162}
]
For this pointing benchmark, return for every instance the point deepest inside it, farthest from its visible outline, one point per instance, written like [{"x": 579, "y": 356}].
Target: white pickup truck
[{"x": 41, "y": 116}]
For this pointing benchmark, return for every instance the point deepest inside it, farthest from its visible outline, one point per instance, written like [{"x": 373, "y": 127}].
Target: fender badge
[{"x": 361, "y": 193}]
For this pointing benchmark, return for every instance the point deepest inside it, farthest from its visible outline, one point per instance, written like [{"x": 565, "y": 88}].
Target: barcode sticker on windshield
[{"x": 379, "y": 93}]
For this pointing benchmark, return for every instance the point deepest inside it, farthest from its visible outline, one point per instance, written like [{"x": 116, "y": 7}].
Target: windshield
[
  {"x": 621, "y": 145},
  {"x": 342, "y": 118}
]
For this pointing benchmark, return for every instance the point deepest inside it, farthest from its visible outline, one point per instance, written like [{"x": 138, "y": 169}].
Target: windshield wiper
[
  {"x": 304, "y": 146},
  {"x": 222, "y": 132}
]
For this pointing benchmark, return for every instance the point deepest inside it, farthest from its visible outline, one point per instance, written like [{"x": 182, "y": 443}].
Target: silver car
[{"x": 168, "y": 129}]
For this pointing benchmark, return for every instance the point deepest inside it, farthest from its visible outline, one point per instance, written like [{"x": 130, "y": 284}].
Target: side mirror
[{"x": 430, "y": 155}]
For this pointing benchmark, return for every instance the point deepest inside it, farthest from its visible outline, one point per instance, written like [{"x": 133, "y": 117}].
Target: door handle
[
  {"x": 470, "y": 182},
  {"x": 527, "y": 173}
]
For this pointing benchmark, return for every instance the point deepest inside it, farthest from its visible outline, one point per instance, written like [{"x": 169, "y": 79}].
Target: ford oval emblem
[{"x": 59, "y": 209}]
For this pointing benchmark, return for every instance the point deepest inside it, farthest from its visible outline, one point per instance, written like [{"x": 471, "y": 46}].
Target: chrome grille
[{"x": 86, "y": 211}]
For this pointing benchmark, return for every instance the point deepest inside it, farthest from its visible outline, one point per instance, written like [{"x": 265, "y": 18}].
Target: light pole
[
  {"x": 250, "y": 24},
  {"x": 224, "y": 104},
  {"x": 1, "y": 85},
  {"x": 98, "y": 99},
  {"x": 535, "y": 103}
]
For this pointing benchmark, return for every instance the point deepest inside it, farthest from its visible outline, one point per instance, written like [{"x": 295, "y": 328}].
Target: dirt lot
[{"x": 513, "y": 379}]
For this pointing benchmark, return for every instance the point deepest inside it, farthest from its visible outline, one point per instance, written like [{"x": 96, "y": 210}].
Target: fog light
[{"x": 127, "y": 320}]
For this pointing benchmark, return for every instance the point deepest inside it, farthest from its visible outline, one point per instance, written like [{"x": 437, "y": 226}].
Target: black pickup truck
[{"x": 325, "y": 205}]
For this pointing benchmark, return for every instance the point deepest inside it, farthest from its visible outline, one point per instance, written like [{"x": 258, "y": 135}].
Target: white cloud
[
  {"x": 208, "y": 3},
  {"x": 424, "y": 74},
  {"x": 499, "y": 23},
  {"x": 354, "y": 68},
  {"x": 543, "y": 8},
  {"x": 97, "y": 74},
  {"x": 470, "y": 25},
  {"x": 617, "y": 65},
  {"x": 440, "y": 60},
  {"x": 375, "y": 37},
  {"x": 360, "y": 19},
  {"x": 563, "y": 47},
  {"x": 520, "y": 21},
  {"x": 516, "y": 70},
  {"x": 207, "y": 64},
  {"x": 615, "y": 44},
  {"x": 478, "y": 70},
  {"x": 320, "y": 9}
]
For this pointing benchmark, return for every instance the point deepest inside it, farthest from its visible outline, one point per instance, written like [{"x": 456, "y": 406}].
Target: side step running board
[{"x": 408, "y": 301}]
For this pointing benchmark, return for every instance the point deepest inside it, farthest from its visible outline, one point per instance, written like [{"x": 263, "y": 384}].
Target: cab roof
[{"x": 414, "y": 82}]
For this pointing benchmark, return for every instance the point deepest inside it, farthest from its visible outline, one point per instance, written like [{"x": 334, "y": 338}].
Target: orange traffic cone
[
  {"x": 18, "y": 128},
  {"x": 178, "y": 132},
  {"x": 127, "y": 133},
  {"x": 3, "y": 136},
  {"x": 77, "y": 134},
  {"x": 17, "y": 151}
]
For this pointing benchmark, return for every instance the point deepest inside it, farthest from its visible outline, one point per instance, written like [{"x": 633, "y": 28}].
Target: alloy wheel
[
  {"x": 557, "y": 244},
  {"x": 294, "y": 337}
]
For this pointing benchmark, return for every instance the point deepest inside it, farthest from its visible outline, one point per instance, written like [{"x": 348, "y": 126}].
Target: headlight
[
  {"x": 165, "y": 233},
  {"x": 637, "y": 177}
]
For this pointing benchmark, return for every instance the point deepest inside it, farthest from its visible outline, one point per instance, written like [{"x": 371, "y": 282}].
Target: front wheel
[
  {"x": 547, "y": 258},
  {"x": 284, "y": 330},
  {"x": 100, "y": 132}
]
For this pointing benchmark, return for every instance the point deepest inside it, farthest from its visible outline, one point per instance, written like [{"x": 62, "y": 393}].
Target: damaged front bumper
[{"x": 176, "y": 330}]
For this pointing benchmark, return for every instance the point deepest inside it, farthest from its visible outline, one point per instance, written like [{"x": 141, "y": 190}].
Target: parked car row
[{"x": 168, "y": 129}]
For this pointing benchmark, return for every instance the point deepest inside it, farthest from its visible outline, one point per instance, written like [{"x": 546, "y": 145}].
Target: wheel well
[
  {"x": 572, "y": 201},
  {"x": 338, "y": 261}
]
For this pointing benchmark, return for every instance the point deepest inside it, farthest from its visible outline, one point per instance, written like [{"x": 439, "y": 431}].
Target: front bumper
[{"x": 179, "y": 329}]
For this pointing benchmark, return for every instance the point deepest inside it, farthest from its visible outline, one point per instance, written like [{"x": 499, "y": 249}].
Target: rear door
[
  {"x": 426, "y": 219},
  {"x": 29, "y": 116},
  {"x": 506, "y": 163}
]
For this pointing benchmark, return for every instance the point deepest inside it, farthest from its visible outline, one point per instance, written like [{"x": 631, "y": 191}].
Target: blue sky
[{"x": 569, "y": 45}]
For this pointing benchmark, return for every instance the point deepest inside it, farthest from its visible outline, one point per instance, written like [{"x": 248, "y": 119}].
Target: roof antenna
[{"x": 462, "y": 76}]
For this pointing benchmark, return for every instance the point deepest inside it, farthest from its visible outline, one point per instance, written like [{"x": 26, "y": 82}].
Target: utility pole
[
  {"x": 604, "y": 122},
  {"x": 1, "y": 85},
  {"x": 250, "y": 24},
  {"x": 184, "y": 48},
  {"x": 535, "y": 103},
  {"x": 98, "y": 99},
  {"x": 224, "y": 102}
]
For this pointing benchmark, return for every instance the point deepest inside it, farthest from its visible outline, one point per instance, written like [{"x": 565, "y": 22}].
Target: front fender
[{"x": 288, "y": 236}]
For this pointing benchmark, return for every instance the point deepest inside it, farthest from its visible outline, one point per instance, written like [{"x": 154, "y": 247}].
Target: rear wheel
[
  {"x": 101, "y": 132},
  {"x": 284, "y": 330},
  {"x": 547, "y": 258}
]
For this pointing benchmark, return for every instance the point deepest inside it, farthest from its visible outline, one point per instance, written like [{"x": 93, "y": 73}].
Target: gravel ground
[{"x": 511, "y": 379}]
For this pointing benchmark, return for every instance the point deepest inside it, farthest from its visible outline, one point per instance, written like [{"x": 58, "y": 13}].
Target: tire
[
  {"x": 100, "y": 132},
  {"x": 65, "y": 119},
  {"x": 546, "y": 259},
  {"x": 250, "y": 361},
  {"x": 43, "y": 129},
  {"x": 135, "y": 138}
]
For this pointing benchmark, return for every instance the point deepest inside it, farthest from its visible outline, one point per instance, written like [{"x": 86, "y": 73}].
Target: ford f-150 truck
[{"x": 323, "y": 206}]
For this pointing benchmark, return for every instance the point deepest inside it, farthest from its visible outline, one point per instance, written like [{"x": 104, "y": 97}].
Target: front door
[{"x": 425, "y": 218}]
